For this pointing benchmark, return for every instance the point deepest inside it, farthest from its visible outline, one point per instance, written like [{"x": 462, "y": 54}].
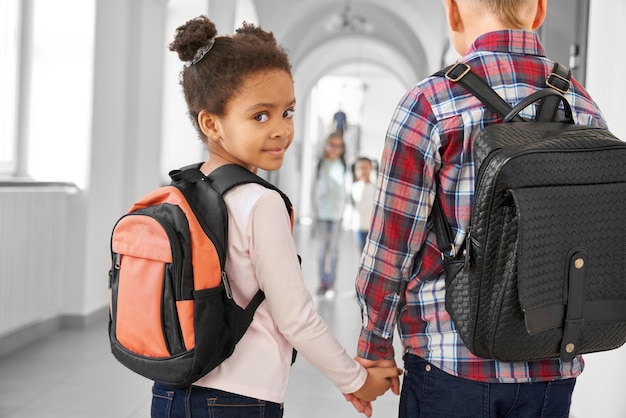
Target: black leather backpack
[{"x": 542, "y": 272}]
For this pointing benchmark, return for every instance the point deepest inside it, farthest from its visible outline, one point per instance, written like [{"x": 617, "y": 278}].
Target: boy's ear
[
  {"x": 452, "y": 14},
  {"x": 540, "y": 14},
  {"x": 208, "y": 124}
]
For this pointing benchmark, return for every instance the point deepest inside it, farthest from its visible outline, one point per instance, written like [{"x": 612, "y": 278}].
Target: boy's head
[
  {"x": 362, "y": 169},
  {"x": 468, "y": 19}
]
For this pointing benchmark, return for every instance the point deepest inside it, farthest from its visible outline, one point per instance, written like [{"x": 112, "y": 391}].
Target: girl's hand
[{"x": 361, "y": 406}]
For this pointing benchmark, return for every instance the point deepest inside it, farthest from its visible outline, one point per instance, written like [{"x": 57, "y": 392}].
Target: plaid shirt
[{"x": 400, "y": 281}]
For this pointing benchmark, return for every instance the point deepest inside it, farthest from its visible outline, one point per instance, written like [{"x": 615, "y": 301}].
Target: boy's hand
[
  {"x": 378, "y": 382},
  {"x": 388, "y": 363}
]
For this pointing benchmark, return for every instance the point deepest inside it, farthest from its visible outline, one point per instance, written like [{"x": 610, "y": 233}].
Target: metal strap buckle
[
  {"x": 449, "y": 76},
  {"x": 558, "y": 80},
  {"x": 452, "y": 252}
]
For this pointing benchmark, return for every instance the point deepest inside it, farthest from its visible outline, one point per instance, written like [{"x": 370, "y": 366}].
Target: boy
[{"x": 400, "y": 280}]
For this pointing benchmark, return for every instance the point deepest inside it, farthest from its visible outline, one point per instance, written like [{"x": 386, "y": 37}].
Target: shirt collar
[{"x": 509, "y": 41}]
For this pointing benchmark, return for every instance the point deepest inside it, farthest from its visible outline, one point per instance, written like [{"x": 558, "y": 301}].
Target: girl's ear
[{"x": 208, "y": 124}]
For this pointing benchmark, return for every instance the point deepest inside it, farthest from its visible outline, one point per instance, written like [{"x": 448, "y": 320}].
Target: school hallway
[{"x": 72, "y": 373}]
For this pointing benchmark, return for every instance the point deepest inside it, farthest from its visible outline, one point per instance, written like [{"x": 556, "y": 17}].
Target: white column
[{"x": 125, "y": 152}]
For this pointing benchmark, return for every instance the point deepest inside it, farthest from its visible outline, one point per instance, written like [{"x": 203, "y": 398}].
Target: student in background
[
  {"x": 330, "y": 194},
  {"x": 362, "y": 193},
  {"x": 340, "y": 122}
]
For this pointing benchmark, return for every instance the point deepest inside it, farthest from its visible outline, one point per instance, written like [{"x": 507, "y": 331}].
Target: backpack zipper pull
[
  {"x": 116, "y": 266},
  {"x": 229, "y": 293}
]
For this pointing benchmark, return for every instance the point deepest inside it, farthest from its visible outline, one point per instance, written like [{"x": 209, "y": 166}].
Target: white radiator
[{"x": 33, "y": 238}]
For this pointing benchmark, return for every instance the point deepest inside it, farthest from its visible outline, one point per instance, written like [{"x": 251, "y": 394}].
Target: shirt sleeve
[
  {"x": 274, "y": 256},
  {"x": 404, "y": 199}
]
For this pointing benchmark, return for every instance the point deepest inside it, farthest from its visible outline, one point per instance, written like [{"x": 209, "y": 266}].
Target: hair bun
[{"x": 194, "y": 34}]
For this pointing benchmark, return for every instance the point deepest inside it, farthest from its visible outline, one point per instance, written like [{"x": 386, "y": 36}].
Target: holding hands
[{"x": 382, "y": 375}]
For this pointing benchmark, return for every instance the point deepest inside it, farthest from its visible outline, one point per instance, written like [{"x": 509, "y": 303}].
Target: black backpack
[
  {"x": 542, "y": 272},
  {"x": 172, "y": 315}
]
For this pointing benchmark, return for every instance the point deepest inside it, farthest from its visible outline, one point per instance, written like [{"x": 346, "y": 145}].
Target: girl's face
[
  {"x": 334, "y": 147},
  {"x": 257, "y": 127}
]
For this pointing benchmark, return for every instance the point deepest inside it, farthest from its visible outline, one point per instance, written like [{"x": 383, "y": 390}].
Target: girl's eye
[
  {"x": 261, "y": 117},
  {"x": 288, "y": 113}
]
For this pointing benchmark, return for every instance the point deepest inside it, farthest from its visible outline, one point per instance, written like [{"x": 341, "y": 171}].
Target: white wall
[
  {"x": 180, "y": 145},
  {"x": 599, "y": 391},
  {"x": 605, "y": 63}
]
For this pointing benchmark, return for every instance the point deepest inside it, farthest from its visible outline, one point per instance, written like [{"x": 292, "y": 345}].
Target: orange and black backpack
[{"x": 172, "y": 315}]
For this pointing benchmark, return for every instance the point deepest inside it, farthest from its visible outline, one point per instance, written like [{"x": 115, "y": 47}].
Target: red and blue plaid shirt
[{"x": 400, "y": 281}]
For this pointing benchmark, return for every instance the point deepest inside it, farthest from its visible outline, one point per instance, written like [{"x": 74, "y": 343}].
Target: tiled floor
[{"x": 72, "y": 374}]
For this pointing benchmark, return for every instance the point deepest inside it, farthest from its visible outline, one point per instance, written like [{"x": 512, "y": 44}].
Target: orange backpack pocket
[{"x": 152, "y": 267}]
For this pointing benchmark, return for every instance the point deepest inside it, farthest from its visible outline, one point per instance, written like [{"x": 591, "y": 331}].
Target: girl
[
  {"x": 240, "y": 96},
  {"x": 330, "y": 194},
  {"x": 363, "y": 197}
]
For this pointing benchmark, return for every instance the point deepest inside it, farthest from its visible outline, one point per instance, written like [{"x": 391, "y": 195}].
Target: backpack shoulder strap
[
  {"x": 462, "y": 73},
  {"x": 558, "y": 79},
  {"x": 204, "y": 199},
  {"x": 228, "y": 176}
]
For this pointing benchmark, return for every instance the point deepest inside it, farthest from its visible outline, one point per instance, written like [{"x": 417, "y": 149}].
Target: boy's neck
[{"x": 487, "y": 23}]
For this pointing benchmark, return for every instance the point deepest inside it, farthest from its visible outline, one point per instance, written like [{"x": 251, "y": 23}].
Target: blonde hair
[{"x": 507, "y": 11}]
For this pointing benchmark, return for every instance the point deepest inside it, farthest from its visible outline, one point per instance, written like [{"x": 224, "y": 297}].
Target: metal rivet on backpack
[
  {"x": 428, "y": 368},
  {"x": 570, "y": 347},
  {"x": 579, "y": 263}
]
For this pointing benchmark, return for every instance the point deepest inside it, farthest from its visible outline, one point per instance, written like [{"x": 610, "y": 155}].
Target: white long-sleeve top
[
  {"x": 363, "y": 200},
  {"x": 262, "y": 254}
]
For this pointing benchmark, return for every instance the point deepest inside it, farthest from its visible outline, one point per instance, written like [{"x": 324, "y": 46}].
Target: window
[{"x": 9, "y": 42}]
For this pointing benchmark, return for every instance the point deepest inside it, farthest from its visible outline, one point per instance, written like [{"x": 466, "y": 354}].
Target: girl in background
[
  {"x": 240, "y": 97},
  {"x": 329, "y": 200}
]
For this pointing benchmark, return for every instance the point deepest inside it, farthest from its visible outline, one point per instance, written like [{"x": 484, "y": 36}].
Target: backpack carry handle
[{"x": 541, "y": 95}]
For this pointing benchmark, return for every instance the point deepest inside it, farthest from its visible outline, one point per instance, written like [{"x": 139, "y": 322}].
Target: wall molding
[{"x": 37, "y": 332}]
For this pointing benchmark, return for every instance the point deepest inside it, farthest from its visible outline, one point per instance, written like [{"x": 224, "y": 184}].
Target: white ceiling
[{"x": 406, "y": 38}]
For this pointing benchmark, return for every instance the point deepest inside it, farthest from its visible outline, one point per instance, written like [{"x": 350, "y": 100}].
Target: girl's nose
[{"x": 283, "y": 128}]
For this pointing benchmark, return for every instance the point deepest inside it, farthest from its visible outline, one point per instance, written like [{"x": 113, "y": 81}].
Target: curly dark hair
[{"x": 210, "y": 82}]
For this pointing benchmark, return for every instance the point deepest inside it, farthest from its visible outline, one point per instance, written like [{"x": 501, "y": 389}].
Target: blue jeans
[
  {"x": 429, "y": 392},
  {"x": 199, "y": 402},
  {"x": 360, "y": 237},
  {"x": 329, "y": 239}
]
